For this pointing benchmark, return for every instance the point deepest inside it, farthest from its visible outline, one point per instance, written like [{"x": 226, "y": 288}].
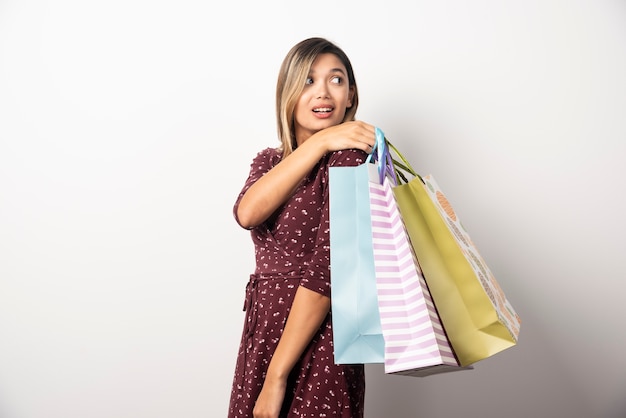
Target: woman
[{"x": 285, "y": 366}]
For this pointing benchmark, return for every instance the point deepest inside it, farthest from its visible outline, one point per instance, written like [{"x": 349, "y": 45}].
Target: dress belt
[
  {"x": 250, "y": 306},
  {"x": 256, "y": 278},
  {"x": 251, "y": 295}
]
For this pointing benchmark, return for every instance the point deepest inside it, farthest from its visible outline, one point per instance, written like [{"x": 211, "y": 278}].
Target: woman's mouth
[{"x": 323, "y": 112}]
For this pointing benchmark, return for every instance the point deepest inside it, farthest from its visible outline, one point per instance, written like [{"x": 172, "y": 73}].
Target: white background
[{"x": 127, "y": 129}]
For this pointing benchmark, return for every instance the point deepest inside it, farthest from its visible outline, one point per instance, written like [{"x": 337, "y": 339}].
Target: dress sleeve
[
  {"x": 317, "y": 275},
  {"x": 261, "y": 164}
]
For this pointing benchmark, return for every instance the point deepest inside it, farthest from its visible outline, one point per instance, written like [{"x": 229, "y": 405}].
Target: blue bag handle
[{"x": 381, "y": 156}]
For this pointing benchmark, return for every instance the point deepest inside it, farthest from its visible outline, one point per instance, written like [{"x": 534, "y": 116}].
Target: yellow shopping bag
[{"x": 478, "y": 318}]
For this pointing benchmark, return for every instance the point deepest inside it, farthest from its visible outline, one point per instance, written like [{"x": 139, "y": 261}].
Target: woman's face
[{"x": 325, "y": 97}]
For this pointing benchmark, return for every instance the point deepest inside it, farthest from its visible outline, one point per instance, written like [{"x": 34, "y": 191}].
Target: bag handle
[
  {"x": 382, "y": 158},
  {"x": 387, "y": 164},
  {"x": 403, "y": 166}
]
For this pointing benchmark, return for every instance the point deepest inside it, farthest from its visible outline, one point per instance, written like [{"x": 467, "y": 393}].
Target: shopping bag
[
  {"x": 357, "y": 333},
  {"x": 415, "y": 341},
  {"x": 376, "y": 286},
  {"x": 478, "y": 318}
]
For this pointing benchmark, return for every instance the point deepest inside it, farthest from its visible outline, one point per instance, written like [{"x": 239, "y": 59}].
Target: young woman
[{"x": 285, "y": 365}]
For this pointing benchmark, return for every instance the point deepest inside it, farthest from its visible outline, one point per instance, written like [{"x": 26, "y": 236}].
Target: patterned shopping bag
[
  {"x": 415, "y": 341},
  {"x": 478, "y": 318}
]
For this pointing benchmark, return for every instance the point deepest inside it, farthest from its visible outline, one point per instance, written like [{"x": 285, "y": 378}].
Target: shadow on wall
[
  {"x": 4, "y": 412},
  {"x": 619, "y": 409},
  {"x": 527, "y": 380}
]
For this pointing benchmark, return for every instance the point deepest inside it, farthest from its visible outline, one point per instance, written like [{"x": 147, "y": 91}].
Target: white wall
[{"x": 127, "y": 128}]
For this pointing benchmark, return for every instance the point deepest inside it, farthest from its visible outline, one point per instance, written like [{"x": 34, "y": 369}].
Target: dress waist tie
[{"x": 250, "y": 304}]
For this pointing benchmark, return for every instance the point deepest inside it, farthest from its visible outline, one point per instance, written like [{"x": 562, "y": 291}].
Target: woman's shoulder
[
  {"x": 269, "y": 151},
  {"x": 269, "y": 156}
]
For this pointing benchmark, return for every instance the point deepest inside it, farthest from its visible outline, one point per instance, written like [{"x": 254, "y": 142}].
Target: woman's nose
[{"x": 322, "y": 92}]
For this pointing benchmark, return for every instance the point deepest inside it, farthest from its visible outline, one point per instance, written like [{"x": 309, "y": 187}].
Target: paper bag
[
  {"x": 415, "y": 341},
  {"x": 478, "y": 318},
  {"x": 357, "y": 333}
]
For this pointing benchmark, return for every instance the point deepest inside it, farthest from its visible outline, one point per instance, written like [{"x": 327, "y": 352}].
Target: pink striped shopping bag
[{"x": 415, "y": 341}]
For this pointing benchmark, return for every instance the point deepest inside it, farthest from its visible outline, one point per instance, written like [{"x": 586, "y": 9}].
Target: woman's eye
[
  {"x": 309, "y": 80},
  {"x": 336, "y": 80}
]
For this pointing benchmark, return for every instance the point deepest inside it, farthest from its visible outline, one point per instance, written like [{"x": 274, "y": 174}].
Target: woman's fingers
[{"x": 353, "y": 134}]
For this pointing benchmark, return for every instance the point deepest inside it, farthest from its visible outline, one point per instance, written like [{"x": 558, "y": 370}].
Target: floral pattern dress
[{"x": 292, "y": 249}]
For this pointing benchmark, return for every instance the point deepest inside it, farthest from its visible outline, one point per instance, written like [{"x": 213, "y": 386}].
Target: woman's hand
[
  {"x": 347, "y": 135},
  {"x": 270, "y": 400}
]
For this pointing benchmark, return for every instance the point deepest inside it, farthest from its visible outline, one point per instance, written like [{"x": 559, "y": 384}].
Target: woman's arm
[
  {"x": 308, "y": 311},
  {"x": 274, "y": 188}
]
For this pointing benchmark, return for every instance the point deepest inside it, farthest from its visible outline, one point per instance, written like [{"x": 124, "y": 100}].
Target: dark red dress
[{"x": 292, "y": 249}]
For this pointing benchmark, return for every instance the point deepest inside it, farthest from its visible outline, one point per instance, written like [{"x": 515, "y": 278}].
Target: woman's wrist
[
  {"x": 316, "y": 146},
  {"x": 276, "y": 377}
]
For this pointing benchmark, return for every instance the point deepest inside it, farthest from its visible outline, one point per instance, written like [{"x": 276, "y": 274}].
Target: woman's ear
[{"x": 350, "y": 97}]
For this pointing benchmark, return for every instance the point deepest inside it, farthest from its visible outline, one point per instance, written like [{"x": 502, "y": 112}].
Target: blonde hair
[{"x": 291, "y": 80}]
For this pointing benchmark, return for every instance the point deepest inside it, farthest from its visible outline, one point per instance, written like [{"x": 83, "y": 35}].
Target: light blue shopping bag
[{"x": 357, "y": 333}]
